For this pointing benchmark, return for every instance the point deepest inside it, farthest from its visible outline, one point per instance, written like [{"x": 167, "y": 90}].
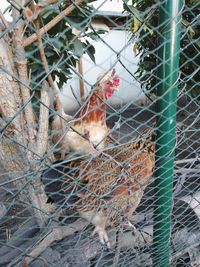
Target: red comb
[{"x": 116, "y": 81}]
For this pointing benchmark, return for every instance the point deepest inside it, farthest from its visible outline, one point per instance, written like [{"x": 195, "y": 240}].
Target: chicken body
[
  {"x": 111, "y": 187},
  {"x": 81, "y": 137},
  {"x": 87, "y": 132}
]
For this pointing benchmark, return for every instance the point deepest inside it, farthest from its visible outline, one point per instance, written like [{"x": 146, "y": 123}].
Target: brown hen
[
  {"x": 111, "y": 186},
  {"x": 87, "y": 132}
]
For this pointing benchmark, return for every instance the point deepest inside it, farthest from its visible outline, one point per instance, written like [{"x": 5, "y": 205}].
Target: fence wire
[{"x": 79, "y": 85}]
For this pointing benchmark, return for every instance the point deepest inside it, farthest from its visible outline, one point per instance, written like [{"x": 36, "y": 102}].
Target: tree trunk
[{"x": 21, "y": 161}]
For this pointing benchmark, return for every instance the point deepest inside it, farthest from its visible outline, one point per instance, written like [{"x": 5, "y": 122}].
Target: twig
[
  {"x": 42, "y": 54},
  {"x": 3, "y": 210},
  {"x": 187, "y": 170},
  {"x": 182, "y": 177},
  {"x": 119, "y": 235},
  {"x": 52, "y": 23},
  {"x": 21, "y": 63},
  {"x": 187, "y": 160},
  {"x": 75, "y": 96},
  {"x": 80, "y": 69},
  {"x": 184, "y": 251},
  {"x": 42, "y": 135},
  {"x": 56, "y": 234},
  {"x": 46, "y": 67}
]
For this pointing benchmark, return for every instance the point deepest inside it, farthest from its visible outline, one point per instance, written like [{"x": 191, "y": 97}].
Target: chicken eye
[{"x": 109, "y": 83}]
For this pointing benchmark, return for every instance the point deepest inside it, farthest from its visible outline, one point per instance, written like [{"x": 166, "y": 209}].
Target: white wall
[
  {"x": 105, "y": 58},
  {"x": 109, "y": 5}
]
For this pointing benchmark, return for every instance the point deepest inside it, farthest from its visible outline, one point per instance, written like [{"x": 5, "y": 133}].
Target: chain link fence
[{"x": 100, "y": 122}]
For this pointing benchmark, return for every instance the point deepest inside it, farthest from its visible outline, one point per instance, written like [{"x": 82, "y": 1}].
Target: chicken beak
[{"x": 113, "y": 72}]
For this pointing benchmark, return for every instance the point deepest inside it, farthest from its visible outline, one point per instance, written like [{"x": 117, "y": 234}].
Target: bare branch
[
  {"x": 46, "y": 67},
  {"x": 3, "y": 210},
  {"x": 75, "y": 96},
  {"x": 53, "y": 22},
  {"x": 187, "y": 170},
  {"x": 21, "y": 64},
  {"x": 181, "y": 161},
  {"x": 43, "y": 56},
  {"x": 56, "y": 234},
  {"x": 42, "y": 136},
  {"x": 80, "y": 69},
  {"x": 90, "y": 250}
]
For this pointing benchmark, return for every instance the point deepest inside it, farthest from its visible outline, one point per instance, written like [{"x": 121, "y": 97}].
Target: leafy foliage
[
  {"x": 63, "y": 47},
  {"x": 145, "y": 23}
]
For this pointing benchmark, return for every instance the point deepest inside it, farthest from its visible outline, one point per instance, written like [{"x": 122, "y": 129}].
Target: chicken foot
[{"x": 103, "y": 236}]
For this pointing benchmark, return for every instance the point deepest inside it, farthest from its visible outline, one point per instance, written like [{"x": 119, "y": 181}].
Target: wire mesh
[{"x": 78, "y": 117}]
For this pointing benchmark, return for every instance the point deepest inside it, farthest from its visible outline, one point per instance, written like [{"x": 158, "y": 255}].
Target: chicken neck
[{"x": 95, "y": 110}]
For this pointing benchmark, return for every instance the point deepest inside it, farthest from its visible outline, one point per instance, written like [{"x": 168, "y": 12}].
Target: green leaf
[
  {"x": 95, "y": 35},
  {"x": 190, "y": 29},
  {"x": 134, "y": 11},
  {"x": 90, "y": 51},
  {"x": 49, "y": 53},
  {"x": 136, "y": 25},
  {"x": 77, "y": 48}
]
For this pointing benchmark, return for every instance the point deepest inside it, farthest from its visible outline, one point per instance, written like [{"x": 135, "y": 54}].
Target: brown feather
[{"x": 113, "y": 188}]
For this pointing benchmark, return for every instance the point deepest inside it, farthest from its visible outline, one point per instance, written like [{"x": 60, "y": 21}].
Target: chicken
[
  {"x": 110, "y": 186},
  {"x": 88, "y": 130}
]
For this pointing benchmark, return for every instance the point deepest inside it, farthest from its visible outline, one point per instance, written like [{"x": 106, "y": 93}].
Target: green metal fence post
[{"x": 168, "y": 53}]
